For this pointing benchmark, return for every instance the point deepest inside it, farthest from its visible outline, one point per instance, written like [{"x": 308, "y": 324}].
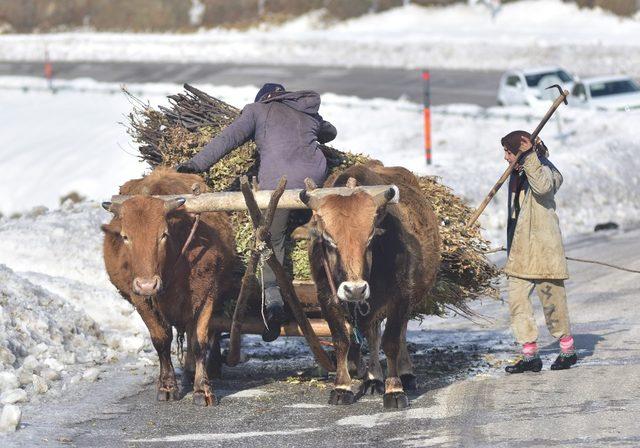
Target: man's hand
[
  {"x": 187, "y": 167},
  {"x": 525, "y": 145}
]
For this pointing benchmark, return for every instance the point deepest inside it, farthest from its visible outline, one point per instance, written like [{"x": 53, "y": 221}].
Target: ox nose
[
  {"x": 354, "y": 291},
  {"x": 147, "y": 286}
]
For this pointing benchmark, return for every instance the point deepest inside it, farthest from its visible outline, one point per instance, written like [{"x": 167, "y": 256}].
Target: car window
[
  {"x": 534, "y": 80},
  {"x": 613, "y": 88},
  {"x": 564, "y": 76},
  {"x": 513, "y": 81}
]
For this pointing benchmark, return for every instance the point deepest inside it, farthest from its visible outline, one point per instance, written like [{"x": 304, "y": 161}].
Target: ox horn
[
  {"x": 309, "y": 184},
  {"x": 389, "y": 196},
  {"x": 173, "y": 204},
  {"x": 308, "y": 200},
  {"x": 112, "y": 208}
]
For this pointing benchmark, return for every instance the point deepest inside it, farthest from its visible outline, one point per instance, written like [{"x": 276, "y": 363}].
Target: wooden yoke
[
  {"x": 233, "y": 201},
  {"x": 262, "y": 244}
]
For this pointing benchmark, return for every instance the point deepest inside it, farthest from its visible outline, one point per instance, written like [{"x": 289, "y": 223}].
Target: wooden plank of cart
[{"x": 306, "y": 312}]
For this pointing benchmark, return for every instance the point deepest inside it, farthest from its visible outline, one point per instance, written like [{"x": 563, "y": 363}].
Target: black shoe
[
  {"x": 274, "y": 315},
  {"x": 564, "y": 362},
  {"x": 525, "y": 365}
]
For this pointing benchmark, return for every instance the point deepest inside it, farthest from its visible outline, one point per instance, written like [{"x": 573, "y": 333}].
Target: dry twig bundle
[{"x": 170, "y": 135}]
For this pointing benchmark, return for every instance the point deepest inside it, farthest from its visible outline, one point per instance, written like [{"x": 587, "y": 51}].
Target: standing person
[
  {"x": 536, "y": 257},
  {"x": 286, "y": 128}
]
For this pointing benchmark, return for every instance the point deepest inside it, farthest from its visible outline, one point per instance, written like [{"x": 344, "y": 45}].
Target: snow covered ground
[
  {"x": 525, "y": 33},
  {"x": 62, "y": 322}
]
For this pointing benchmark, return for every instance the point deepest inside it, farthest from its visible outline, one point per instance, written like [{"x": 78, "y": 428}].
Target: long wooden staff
[{"x": 561, "y": 99}]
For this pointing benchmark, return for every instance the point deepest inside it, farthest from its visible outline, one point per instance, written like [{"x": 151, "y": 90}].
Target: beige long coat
[{"x": 537, "y": 251}]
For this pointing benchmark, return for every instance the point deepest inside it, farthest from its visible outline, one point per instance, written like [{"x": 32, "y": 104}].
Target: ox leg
[
  {"x": 161, "y": 336},
  {"x": 373, "y": 379},
  {"x": 394, "y": 395},
  {"x": 341, "y": 394},
  {"x": 202, "y": 391},
  {"x": 405, "y": 366},
  {"x": 215, "y": 359},
  {"x": 189, "y": 362}
]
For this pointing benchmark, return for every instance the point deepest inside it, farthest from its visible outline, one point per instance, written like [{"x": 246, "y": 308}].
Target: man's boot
[
  {"x": 527, "y": 364},
  {"x": 564, "y": 361},
  {"x": 273, "y": 313}
]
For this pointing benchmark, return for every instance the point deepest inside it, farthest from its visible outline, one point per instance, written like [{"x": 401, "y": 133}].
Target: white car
[
  {"x": 606, "y": 93},
  {"x": 527, "y": 86}
]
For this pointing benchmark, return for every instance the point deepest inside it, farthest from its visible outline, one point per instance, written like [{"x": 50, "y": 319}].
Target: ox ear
[
  {"x": 114, "y": 227},
  {"x": 174, "y": 204},
  {"x": 112, "y": 208},
  {"x": 389, "y": 196}
]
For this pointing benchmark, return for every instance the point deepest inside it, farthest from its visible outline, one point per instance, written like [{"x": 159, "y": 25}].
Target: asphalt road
[
  {"x": 447, "y": 86},
  {"x": 464, "y": 397}
]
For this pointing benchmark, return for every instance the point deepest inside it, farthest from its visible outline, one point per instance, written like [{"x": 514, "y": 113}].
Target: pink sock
[
  {"x": 566, "y": 345},
  {"x": 530, "y": 349}
]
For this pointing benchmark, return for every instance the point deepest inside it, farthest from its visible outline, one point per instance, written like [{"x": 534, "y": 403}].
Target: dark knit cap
[{"x": 267, "y": 89}]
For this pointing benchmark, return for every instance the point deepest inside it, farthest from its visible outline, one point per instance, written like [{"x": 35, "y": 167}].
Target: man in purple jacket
[{"x": 286, "y": 128}]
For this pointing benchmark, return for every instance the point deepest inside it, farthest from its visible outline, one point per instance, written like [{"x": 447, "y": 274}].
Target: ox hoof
[
  {"x": 341, "y": 396},
  {"x": 375, "y": 386},
  {"x": 202, "y": 399},
  {"x": 167, "y": 395},
  {"x": 409, "y": 381},
  {"x": 395, "y": 400}
]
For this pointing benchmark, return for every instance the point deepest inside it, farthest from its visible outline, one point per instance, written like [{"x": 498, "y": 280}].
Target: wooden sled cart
[{"x": 301, "y": 297}]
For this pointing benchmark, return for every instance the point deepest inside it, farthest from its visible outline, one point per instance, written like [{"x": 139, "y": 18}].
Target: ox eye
[
  {"x": 164, "y": 236},
  {"x": 125, "y": 238}
]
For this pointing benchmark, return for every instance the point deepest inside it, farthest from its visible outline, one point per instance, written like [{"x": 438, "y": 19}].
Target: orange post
[
  {"x": 48, "y": 69},
  {"x": 426, "y": 90}
]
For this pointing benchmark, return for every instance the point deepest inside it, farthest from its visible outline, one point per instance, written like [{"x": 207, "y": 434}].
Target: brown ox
[
  {"x": 142, "y": 244},
  {"x": 378, "y": 252}
]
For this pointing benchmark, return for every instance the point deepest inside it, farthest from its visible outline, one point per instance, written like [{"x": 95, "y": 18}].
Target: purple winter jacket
[{"x": 287, "y": 129}]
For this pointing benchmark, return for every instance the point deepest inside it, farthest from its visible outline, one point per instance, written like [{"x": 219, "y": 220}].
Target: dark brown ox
[
  {"x": 142, "y": 245},
  {"x": 379, "y": 252}
]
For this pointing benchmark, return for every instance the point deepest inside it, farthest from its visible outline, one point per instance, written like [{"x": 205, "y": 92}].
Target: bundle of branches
[{"x": 170, "y": 135}]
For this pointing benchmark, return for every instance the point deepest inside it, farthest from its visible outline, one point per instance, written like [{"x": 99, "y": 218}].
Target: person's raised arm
[
  {"x": 234, "y": 135},
  {"x": 540, "y": 177}
]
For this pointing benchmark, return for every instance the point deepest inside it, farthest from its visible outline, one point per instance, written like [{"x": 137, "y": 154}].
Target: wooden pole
[
  {"x": 286, "y": 287},
  {"x": 507, "y": 173},
  {"x": 261, "y": 227},
  {"x": 234, "y": 200},
  {"x": 254, "y": 325}
]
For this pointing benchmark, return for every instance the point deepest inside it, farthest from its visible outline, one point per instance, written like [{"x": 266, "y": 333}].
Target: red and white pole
[
  {"x": 48, "y": 69},
  {"x": 426, "y": 92}
]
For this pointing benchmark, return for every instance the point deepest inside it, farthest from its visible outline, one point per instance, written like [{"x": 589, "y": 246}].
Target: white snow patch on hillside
[{"x": 524, "y": 33}]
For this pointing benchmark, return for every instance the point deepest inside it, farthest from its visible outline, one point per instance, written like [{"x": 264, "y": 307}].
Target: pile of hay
[{"x": 170, "y": 135}]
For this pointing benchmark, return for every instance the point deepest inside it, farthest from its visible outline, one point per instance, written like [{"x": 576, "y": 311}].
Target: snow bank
[
  {"x": 60, "y": 317},
  {"x": 524, "y": 33}
]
